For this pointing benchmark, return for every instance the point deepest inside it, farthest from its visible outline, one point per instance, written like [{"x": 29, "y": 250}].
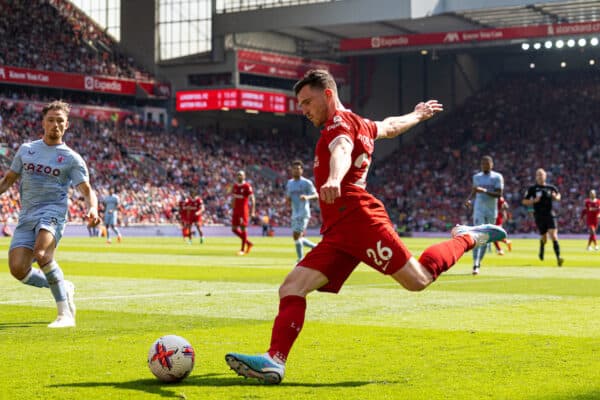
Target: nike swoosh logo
[{"x": 30, "y": 152}]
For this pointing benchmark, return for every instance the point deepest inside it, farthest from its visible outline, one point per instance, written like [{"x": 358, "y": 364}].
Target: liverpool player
[
  {"x": 242, "y": 195},
  {"x": 502, "y": 215},
  {"x": 590, "y": 213},
  {"x": 356, "y": 227},
  {"x": 187, "y": 217},
  {"x": 198, "y": 211}
]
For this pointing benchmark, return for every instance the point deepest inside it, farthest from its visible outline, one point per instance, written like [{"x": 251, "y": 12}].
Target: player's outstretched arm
[
  {"x": 8, "y": 180},
  {"x": 393, "y": 126}
]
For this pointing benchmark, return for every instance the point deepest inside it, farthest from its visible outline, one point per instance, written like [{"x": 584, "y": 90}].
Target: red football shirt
[
  {"x": 241, "y": 192},
  {"x": 187, "y": 210},
  {"x": 362, "y": 133},
  {"x": 591, "y": 211}
]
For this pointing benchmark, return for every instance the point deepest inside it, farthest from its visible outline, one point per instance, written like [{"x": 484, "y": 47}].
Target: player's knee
[
  {"x": 415, "y": 285},
  {"x": 18, "y": 269},
  {"x": 42, "y": 256}
]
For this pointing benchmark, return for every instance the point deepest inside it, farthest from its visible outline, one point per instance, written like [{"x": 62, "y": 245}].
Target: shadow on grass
[
  {"x": 154, "y": 386},
  {"x": 10, "y": 325}
]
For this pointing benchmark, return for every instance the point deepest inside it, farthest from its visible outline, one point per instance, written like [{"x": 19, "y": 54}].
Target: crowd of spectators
[
  {"x": 523, "y": 121},
  {"x": 59, "y": 37},
  {"x": 151, "y": 169}
]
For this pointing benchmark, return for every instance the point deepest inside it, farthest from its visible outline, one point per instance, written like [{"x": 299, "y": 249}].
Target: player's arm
[
  {"x": 497, "y": 192},
  {"x": 555, "y": 195},
  {"x": 391, "y": 127},
  {"x": 529, "y": 199},
  {"x": 253, "y": 201},
  {"x": 309, "y": 196},
  {"x": 468, "y": 201},
  {"x": 91, "y": 202},
  {"x": 339, "y": 164},
  {"x": 8, "y": 180}
]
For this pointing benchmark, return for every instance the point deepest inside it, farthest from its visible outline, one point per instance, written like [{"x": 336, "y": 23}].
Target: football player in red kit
[
  {"x": 502, "y": 215},
  {"x": 590, "y": 214},
  {"x": 356, "y": 227},
  {"x": 187, "y": 216},
  {"x": 242, "y": 194}
]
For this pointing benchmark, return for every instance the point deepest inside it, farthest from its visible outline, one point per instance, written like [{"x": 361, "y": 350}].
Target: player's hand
[
  {"x": 426, "y": 110},
  {"x": 468, "y": 203},
  {"x": 302, "y": 197},
  {"x": 330, "y": 191},
  {"x": 93, "y": 218}
]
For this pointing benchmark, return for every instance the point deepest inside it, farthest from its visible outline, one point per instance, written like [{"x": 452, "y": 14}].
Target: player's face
[
  {"x": 486, "y": 165},
  {"x": 297, "y": 171},
  {"x": 55, "y": 123},
  {"x": 540, "y": 177},
  {"x": 240, "y": 177},
  {"x": 314, "y": 104}
]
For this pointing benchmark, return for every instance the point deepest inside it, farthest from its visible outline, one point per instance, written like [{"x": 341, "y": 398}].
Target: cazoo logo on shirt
[{"x": 40, "y": 169}]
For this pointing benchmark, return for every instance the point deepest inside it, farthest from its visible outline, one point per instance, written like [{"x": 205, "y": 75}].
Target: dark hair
[
  {"x": 298, "y": 162},
  {"x": 56, "y": 105},
  {"x": 487, "y": 158},
  {"x": 319, "y": 78}
]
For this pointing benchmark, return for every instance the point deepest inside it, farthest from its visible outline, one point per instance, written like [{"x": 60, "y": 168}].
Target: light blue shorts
[
  {"x": 480, "y": 218},
  {"x": 29, "y": 226},
  {"x": 299, "y": 224},
  {"x": 110, "y": 218}
]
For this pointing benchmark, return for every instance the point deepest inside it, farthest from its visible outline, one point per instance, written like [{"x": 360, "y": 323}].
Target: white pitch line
[{"x": 204, "y": 292}]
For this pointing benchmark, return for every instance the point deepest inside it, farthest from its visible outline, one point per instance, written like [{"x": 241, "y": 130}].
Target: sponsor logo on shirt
[{"x": 41, "y": 169}]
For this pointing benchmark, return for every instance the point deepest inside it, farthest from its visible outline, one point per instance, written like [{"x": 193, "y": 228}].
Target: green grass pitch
[{"x": 523, "y": 329}]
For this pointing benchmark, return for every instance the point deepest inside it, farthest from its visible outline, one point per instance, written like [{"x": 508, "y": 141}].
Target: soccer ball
[{"x": 171, "y": 358}]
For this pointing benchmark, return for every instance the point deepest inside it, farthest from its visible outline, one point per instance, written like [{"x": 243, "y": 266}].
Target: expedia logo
[
  {"x": 376, "y": 42},
  {"x": 88, "y": 83}
]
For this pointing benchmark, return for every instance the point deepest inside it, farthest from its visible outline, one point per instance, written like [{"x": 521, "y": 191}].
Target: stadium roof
[{"x": 448, "y": 16}]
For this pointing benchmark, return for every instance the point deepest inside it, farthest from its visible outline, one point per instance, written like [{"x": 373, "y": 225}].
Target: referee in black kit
[{"x": 541, "y": 196}]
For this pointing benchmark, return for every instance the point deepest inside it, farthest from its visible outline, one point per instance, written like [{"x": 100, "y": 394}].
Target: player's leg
[
  {"x": 270, "y": 367},
  {"x": 592, "y": 237},
  {"x": 114, "y": 227},
  {"x": 553, "y": 233},
  {"x": 436, "y": 259},
  {"x": 200, "y": 233},
  {"x": 478, "y": 252},
  {"x": 297, "y": 236},
  {"x": 305, "y": 241},
  {"x": 107, "y": 229},
  {"x": 542, "y": 226},
  {"x": 20, "y": 256},
  {"x": 245, "y": 242},
  {"x": 325, "y": 268},
  {"x": 62, "y": 291}
]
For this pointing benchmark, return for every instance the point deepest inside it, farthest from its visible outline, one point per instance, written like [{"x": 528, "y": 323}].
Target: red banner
[
  {"x": 218, "y": 99},
  {"x": 284, "y": 66},
  {"x": 467, "y": 37},
  {"x": 62, "y": 80}
]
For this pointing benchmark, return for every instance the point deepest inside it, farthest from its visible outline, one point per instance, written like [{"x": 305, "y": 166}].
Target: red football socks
[
  {"x": 287, "y": 326},
  {"x": 440, "y": 257}
]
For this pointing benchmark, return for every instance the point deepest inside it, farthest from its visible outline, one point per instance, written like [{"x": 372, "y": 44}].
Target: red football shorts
[
  {"x": 239, "y": 219},
  {"x": 356, "y": 238}
]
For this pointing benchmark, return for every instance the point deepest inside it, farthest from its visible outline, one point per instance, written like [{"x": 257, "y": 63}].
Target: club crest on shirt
[{"x": 60, "y": 159}]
